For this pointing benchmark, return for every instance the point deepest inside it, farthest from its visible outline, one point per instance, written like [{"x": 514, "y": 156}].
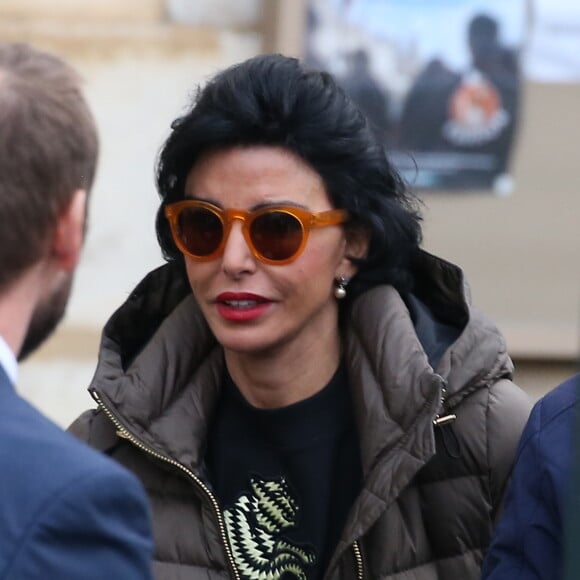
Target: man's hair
[
  {"x": 48, "y": 150},
  {"x": 275, "y": 100}
]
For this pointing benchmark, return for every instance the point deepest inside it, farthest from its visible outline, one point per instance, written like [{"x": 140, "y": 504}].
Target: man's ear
[{"x": 67, "y": 241}]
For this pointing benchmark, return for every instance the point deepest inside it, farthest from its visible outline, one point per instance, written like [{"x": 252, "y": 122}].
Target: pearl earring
[{"x": 340, "y": 289}]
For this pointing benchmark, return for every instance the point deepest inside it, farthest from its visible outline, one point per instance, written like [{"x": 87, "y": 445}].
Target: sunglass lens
[
  {"x": 200, "y": 230},
  {"x": 276, "y": 235}
]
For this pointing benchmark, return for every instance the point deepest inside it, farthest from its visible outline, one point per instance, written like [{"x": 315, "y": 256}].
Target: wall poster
[
  {"x": 440, "y": 81},
  {"x": 554, "y": 52}
]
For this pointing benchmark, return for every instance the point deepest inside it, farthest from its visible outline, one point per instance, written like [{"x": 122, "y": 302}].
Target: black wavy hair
[{"x": 276, "y": 100}]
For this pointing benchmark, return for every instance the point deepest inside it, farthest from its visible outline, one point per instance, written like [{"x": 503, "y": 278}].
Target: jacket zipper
[
  {"x": 125, "y": 434},
  {"x": 439, "y": 420},
  {"x": 359, "y": 561}
]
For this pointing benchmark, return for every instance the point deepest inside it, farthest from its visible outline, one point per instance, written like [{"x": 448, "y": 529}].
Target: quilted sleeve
[
  {"x": 94, "y": 428},
  {"x": 508, "y": 410}
]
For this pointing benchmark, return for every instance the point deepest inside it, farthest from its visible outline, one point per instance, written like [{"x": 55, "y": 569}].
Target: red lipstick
[{"x": 241, "y": 306}]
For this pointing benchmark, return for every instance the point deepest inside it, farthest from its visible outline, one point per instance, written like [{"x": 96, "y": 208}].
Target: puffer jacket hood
[
  {"x": 160, "y": 369},
  {"x": 155, "y": 342}
]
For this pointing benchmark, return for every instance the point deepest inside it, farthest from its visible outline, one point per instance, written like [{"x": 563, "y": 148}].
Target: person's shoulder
[
  {"x": 40, "y": 456},
  {"x": 554, "y": 412},
  {"x": 504, "y": 392},
  {"x": 548, "y": 434},
  {"x": 508, "y": 408},
  {"x": 55, "y": 486}
]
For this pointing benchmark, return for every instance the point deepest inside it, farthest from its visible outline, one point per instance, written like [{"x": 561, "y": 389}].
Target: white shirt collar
[{"x": 8, "y": 361}]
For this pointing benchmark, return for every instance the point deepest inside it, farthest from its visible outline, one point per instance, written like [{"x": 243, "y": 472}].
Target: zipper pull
[
  {"x": 439, "y": 421},
  {"x": 445, "y": 419}
]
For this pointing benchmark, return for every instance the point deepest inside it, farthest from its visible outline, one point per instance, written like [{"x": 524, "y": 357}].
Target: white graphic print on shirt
[{"x": 255, "y": 525}]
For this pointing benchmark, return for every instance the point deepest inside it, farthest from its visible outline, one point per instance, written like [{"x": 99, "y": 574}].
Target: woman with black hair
[{"x": 301, "y": 389}]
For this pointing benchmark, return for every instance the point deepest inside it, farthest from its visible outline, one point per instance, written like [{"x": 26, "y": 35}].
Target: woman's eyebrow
[
  {"x": 277, "y": 203},
  {"x": 255, "y": 207},
  {"x": 204, "y": 199}
]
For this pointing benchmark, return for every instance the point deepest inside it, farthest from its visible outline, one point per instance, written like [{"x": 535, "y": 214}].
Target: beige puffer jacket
[{"x": 434, "y": 472}]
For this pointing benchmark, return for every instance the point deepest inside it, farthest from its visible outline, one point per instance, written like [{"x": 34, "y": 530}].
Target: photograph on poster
[{"x": 439, "y": 80}]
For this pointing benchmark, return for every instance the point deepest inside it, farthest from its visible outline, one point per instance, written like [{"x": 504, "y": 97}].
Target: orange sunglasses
[{"x": 275, "y": 235}]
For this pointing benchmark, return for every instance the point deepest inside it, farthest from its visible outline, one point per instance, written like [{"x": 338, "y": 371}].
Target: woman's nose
[{"x": 237, "y": 257}]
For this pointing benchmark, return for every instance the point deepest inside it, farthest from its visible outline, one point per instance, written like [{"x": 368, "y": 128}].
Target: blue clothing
[
  {"x": 66, "y": 511},
  {"x": 528, "y": 541}
]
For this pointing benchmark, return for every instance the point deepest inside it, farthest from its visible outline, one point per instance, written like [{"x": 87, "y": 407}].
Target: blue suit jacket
[
  {"x": 528, "y": 542},
  {"x": 66, "y": 511}
]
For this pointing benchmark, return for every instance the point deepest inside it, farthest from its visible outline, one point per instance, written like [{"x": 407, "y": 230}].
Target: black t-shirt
[{"x": 286, "y": 478}]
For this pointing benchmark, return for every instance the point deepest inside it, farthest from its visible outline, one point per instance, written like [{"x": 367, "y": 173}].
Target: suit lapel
[{"x": 5, "y": 383}]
